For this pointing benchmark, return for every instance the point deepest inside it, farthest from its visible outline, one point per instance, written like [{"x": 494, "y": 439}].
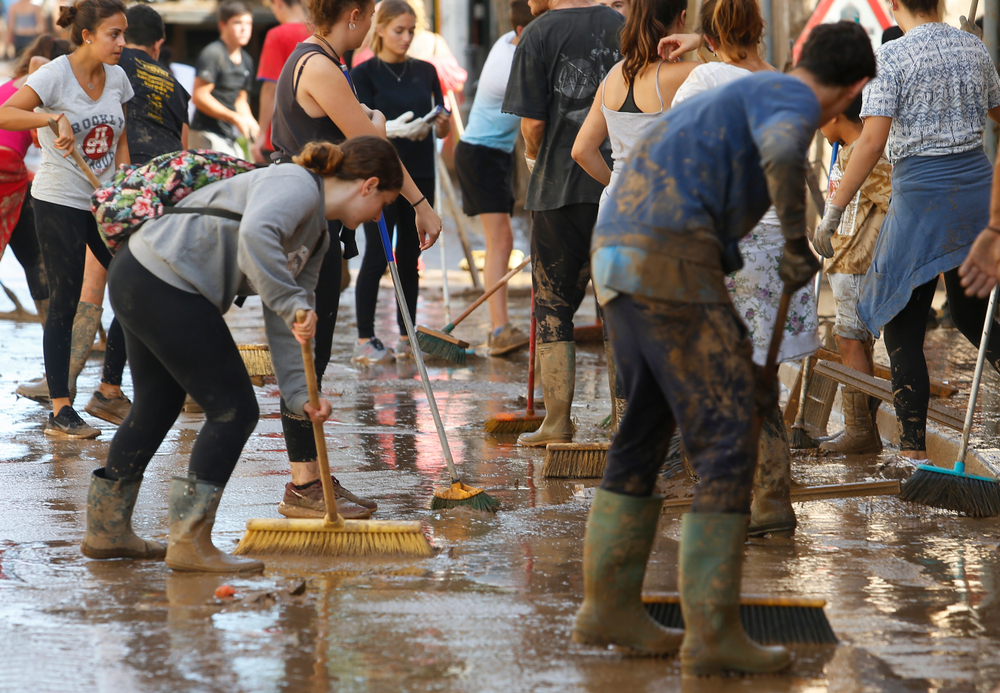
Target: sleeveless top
[
  {"x": 291, "y": 127},
  {"x": 625, "y": 127}
]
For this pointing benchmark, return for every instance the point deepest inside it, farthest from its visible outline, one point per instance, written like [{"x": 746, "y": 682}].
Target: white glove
[
  {"x": 394, "y": 127},
  {"x": 827, "y": 227},
  {"x": 530, "y": 163}
]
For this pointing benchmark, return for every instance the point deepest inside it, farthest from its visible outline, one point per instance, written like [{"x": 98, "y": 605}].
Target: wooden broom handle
[
  {"x": 77, "y": 158},
  {"x": 490, "y": 291},
  {"x": 333, "y": 518}
]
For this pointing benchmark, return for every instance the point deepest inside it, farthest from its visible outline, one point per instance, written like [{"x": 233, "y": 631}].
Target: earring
[
  {"x": 88, "y": 40},
  {"x": 352, "y": 26}
]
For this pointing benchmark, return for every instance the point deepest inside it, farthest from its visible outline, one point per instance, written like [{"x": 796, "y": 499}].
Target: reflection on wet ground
[{"x": 912, "y": 593}]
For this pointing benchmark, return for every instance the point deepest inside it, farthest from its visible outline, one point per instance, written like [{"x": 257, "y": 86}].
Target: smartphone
[{"x": 434, "y": 113}]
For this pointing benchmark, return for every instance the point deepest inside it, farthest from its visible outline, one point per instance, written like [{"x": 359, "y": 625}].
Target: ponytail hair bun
[
  {"x": 87, "y": 15},
  {"x": 359, "y": 158},
  {"x": 67, "y": 13}
]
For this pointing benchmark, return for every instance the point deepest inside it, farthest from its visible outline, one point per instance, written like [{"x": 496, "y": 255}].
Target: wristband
[{"x": 422, "y": 199}]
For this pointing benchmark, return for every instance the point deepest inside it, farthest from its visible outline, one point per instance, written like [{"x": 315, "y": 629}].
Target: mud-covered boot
[
  {"x": 558, "y": 382},
  {"x": 193, "y": 504},
  {"x": 42, "y": 311},
  {"x": 620, "y": 534},
  {"x": 771, "y": 511},
  {"x": 109, "y": 521},
  {"x": 860, "y": 433},
  {"x": 617, "y": 396},
  {"x": 85, "y": 325},
  {"x": 711, "y": 568}
]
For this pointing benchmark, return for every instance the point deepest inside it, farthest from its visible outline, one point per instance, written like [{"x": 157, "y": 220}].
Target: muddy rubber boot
[
  {"x": 85, "y": 324},
  {"x": 616, "y": 395},
  {"x": 620, "y": 534},
  {"x": 860, "y": 433},
  {"x": 711, "y": 568},
  {"x": 771, "y": 511},
  {"x": 558, "y": 382},
  {"x": 42, "y": 310},
  {"x": 109, "y": 521},
  {"x": 192, "y": 515}
]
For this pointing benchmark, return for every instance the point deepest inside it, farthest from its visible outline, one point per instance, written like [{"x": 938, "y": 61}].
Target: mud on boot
[
  {"x": 620, "y": 534},
  {"x": 193, "y": 505},
  {"x": 711, "y": 569},
  {"x": 771, "y": 511},
  {"x": 860, "y": 433},
  {"x": 558, "y": 362},
  {"x": 109, "y": 521}
]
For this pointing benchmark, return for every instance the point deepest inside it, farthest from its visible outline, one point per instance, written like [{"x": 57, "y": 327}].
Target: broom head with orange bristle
[{"x": 515, "y": 423}]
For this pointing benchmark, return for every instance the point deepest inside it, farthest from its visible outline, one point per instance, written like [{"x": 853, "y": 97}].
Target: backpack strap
[{"x": 207, "y": 211}]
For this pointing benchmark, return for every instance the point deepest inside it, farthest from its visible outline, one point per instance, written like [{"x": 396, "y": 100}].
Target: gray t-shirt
[{"x": 97, "y": 125}]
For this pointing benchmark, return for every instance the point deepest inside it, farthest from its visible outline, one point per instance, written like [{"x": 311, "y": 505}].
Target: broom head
[
  {"x": 575, "y": 460},
  {"x": 951, "y": 489},
  {"x": 799, "y": 439},
  {"x": 510, "y": 423},
  {"x": 441, "y": 344},
  {"x": 266, "y": 537},
  {"x": 257, "y": 359},
  {"x": 459, "y": 495},
  {"x": 593, "y": 332}
]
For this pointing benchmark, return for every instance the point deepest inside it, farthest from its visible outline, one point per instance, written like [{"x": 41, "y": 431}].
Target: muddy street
[{"x": 912, "y": 593}]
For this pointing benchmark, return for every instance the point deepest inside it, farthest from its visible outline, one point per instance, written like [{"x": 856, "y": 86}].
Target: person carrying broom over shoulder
[
  {"x": 162, "y": 291},
  {"x": 684, "y": 355}
]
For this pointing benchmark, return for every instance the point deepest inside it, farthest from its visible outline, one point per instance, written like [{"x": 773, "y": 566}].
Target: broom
[
  {"x": 953, "y": 489},
  {"x": 530, "y": 419},
  {"x": 333, "y": 535},
  {"x": 458, "y": 494},
  {"x": 257, "y": 359},
  {"x": 441, "y": 343}
]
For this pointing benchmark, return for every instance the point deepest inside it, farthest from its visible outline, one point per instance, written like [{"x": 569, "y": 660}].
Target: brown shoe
[
  {"x": 509, "y": 339},
  {"x": 111, "y": 409},
  {"x": 351, "y": 498},
  {"x": 310, "y": 503}
]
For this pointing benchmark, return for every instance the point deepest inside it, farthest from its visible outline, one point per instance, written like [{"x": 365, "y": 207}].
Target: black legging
[
  {"x": 64, "y": 233},
  {"x": 158, "y": 320},
  {"x": 904, "y": 340},
  {"x": 24, "y": 244},
  {"x": 401, "y": 215}
]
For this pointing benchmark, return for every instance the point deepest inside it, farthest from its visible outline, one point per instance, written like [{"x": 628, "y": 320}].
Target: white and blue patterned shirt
[{"x": 937, "y": 84}]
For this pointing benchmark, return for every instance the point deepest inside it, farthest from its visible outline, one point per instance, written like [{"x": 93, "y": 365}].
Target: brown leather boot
[
  {"x": 109, "y": 521},
  {"x": 193, "y": 505},
  {"x": 771, "y": 511},
  {"x": 860, "y": 433},
  {"x": 558, "y": 383}
]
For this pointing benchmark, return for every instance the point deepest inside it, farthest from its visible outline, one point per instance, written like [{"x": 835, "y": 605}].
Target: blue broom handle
[
  {"x": 974, "y": 395},
  {"x": 417, "y": 356}
]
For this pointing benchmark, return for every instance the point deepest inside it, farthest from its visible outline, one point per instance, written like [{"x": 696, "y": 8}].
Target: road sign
[{"x": 872, "y": 15}]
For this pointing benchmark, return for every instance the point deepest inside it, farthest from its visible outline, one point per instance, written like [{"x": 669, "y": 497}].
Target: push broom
[
  {"x": 441, "y": 343},
  {"x": 333, "y": 535},
  {"x": 530, "y": 419},
  {"x": 458, "y": 494},
  {"x": 953, "y": 489}
]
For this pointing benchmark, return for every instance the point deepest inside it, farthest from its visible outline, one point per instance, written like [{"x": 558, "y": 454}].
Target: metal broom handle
[
  {"x": 417, "y": 356},
  {"x": 980, "y": 361}
]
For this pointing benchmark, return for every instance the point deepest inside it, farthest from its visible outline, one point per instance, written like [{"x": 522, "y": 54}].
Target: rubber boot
[
  {"x": 617, "y": 396},
  {"x": 192, "y": 515},
  {"x": 558, "y": 382},
  {"x": 711, "y": 567},
  {"x": 860, "y": 433},
  {"x": 620, "y": 534},
  {"x": 771, "y": 511},
  {"x": 109, "y": 521},
  {"x": 42, "y": 311}
]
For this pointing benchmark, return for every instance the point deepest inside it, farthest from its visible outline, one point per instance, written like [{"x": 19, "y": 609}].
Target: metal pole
[
  {"x": 991, "y": 36},
  {"x": 767, "y": 9}
]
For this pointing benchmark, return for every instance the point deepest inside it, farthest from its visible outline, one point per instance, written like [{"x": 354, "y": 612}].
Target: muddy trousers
[
  {"x": 904, "y": 341},
  {"x": 560, "y": 267},
  {"x": 686, "y": 365},
  {"x": 24, "y": 244},
  {"x": 64, "y": 233},
  {"x": 158, "y": 320}
]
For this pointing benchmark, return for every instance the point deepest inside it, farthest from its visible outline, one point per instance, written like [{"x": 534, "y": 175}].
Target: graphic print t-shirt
[
  {"x": 159, "y": 110},
  {"x": 215, "y": 67},
  {"x": 559, "y": 63},
  {"x": 97, "y": 126}
]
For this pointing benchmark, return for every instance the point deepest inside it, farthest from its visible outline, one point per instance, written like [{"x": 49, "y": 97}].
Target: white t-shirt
[
  {"x": 488, "y": 125},
  {"x": 97, "y": 125}
]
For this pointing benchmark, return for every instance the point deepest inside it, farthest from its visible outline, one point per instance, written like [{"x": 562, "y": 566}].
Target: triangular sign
[{"x": 872, "y": 15}]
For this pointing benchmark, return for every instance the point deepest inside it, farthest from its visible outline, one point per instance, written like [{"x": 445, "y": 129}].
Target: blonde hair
[{"x": 388, "y": 10}]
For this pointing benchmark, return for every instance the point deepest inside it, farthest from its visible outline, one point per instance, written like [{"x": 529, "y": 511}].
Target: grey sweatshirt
[{"x": 275, "y": 252}]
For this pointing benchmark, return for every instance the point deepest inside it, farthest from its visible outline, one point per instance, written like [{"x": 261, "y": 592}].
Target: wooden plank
[
  {"x": 939, "y": 388},
  {"x": 802, "y": 494}
]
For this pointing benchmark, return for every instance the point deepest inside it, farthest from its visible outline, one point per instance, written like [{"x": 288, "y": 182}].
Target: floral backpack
[{"x": 140, "y": 193}]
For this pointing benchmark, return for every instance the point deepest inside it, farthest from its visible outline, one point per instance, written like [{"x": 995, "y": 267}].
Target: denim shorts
[{"x": 847, "y": 291}]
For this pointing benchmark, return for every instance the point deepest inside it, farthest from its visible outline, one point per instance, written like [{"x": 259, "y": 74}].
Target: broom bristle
[
  {"x": 257, "y": 359},
  {"x": 575, "y": 460},
  {"x": 799, "y": 439},
  {"x": 941, "y": 488},
  {"x": 288, "y": 538},
  {"x": 461, "y": 495},
  {"x": 519, "y": 422},
  {"x": 432, "y": 346}
]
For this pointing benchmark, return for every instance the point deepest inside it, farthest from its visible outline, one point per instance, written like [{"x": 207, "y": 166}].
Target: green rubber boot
[
  {"x": 711, "y": 567},
  {"x": 620, "y": 534},
  {"x": 558, "y": 361},
  {"x": 109, "y": 521}
]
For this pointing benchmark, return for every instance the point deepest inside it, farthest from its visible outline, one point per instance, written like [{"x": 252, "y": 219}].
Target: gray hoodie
[{"x": 275, "y": 252}]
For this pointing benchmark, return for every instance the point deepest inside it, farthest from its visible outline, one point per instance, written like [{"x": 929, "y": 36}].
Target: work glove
[
  {"x": 797, "y": 265},
  {"x": 966, "y": 25},
  {"x": 827, "y": 227},
  {"x": 404, "y": 127},
  {"x": 530, "y": 163}
]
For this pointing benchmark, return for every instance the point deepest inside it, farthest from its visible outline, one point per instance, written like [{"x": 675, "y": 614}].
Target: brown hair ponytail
[
  {"x": 734, "y": 25},
  {"x": 358, "y": 158},
  {"x": 87, "y": 15},
  {"x": 647, "y": 23}
]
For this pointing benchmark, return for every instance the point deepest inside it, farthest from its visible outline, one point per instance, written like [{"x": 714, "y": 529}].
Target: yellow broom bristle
[
  {"x": 257, "y": 359},
  {"x": 575, "y": 460},
  {"x": 357, "y": 538}
]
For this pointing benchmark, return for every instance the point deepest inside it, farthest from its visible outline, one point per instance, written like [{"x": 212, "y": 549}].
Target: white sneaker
[{"x": 372, "y": 352}]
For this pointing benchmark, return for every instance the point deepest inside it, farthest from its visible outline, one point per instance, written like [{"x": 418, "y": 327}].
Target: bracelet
[
  {"x": 422, "y": 199},
  {"x": 994, "y": 229}
]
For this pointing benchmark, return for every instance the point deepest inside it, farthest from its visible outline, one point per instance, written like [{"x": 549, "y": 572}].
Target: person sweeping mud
[
  {"x": 162, "y": 292},
  {"x": 685, "y": 358}
]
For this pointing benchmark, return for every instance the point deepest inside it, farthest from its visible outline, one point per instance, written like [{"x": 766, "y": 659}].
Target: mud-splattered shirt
[
  {"x": 854, "y": 242},
  {"x": 559, "y": 63},
  {"x": 700, "y": 179},
  {"x": 159, "y": 111}
]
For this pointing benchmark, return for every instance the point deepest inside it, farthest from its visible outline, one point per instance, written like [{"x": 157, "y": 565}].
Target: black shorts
[{"x": 484, "y": 174}]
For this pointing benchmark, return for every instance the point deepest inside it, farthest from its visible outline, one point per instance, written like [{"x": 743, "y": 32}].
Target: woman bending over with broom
[
  {"x": 178, "y": 275},
  {"x": 315, "y": 100}
]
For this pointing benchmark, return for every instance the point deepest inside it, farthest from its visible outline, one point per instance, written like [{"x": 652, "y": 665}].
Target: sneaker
[
  {"x": 506, "y": 339},
  {"x": 350, "y": 497},
  {"x": 37, "y": 390},
  {"x": 69, "y": 425},
  {"x": 403, "y": 349},
  {"x": 309, "y": 503},
  {"x": 371, "y": 352},
  {"x": 111, "y": 409}
]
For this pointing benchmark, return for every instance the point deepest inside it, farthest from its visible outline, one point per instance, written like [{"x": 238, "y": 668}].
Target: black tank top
[{"x": 291, "y": 127}]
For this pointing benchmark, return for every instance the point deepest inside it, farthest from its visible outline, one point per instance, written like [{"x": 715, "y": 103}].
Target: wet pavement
[{"x": 912, "y": 592}]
